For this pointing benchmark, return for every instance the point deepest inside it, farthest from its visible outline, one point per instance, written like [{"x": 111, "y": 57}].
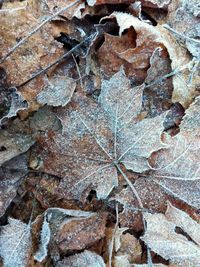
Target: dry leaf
[
  {"x": 95, "y": 137},
  {"x": 70, "y": 230},
  {"x": 58, "y": 92},
  {"x": 84, "y": 259},
  {"x": 39, "y": 51},
  {"x": 162, "y": 238},
  {"x": 136, "y": 56},
  {"x": 177, "y": 168},
  {"x": 11, "y": 174},
  {"x": 15, "y": 243},
  {"x": 12, "y": 145},
  {"x": 182, "y": 32}
]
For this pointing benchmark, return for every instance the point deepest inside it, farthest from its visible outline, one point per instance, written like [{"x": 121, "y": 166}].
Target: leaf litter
[{"x": 99, "y": 113}]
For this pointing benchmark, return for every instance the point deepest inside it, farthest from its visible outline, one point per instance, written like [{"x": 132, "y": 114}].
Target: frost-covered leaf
[
  {"x": 15, "y": 243},
  {"x": 84, "y": 259},
  {"x": 12, "y": 145},
  {"x": 180, "y": 32},
  {"x": 17, "y": 103},
  {"x": 71, "y": 230},
  {"x": 162, "y": 238},
  {"x": 58, "y": 92},
  {"x": 11, "y": 174},
  {"x": 97, "y": 136},
  {"x": 177, "y": 168},
  {"x": 44, "y": 241}
]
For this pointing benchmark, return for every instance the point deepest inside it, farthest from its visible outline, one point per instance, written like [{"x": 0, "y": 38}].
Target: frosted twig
[{"x": 69, "y": 53}]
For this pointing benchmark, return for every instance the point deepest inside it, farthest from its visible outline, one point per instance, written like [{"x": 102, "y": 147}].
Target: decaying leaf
[
  {"x": 12, "y": 145},
  {"x": 58, "y": 92},
  {"x": 11, "y": 174},
  {"x": 136, "y": 56},
  {"x": 96, "y": 137},
  {"x": 71, "y": 230},
  {"x": 29, "y": 58},
  {"x": 177, "y": 168},
  {"x": 180, "y": 32},
  {"x": 162, "y": 238},
  {"x": 15, "y": 243},
  {"x": 84, "y": 259}
]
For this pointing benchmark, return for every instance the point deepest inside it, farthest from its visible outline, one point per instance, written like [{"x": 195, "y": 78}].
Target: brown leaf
[
  {"x": 181, "y": 32},
  {"x": 162, "y": 238},
  {"x": 69, "y": 230},
  {"x": 135, "y": 57},
  {"x": 11, "y": 174},
  {"x": 96, "y": 135},
  {"x": 84, "y": 259},
  {"x": 29, "y": 58},
  {"x": 80, "y": 234},
  {"x": 12, "y": 145},
  {"x": 74, "y": 11}
]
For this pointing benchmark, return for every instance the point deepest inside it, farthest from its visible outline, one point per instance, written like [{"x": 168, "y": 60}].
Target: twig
[
  {"x": 166, "y": 26},
  {"x": 113, "y": 236},
  {"x": 69, "y": 53},
  {"x": 22, "y": 41},
  {"x": 78, "y": 70}
]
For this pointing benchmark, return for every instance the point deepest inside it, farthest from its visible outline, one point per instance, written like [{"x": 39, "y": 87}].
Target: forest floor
[{"x": 100, "y": 133}]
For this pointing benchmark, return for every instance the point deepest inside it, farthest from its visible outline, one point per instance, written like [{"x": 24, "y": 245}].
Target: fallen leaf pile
[{"x": 100, "y": 133}]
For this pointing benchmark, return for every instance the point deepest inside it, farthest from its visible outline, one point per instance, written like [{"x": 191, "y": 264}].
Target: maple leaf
[
  {"x": 15, "y": 242},
  {"x": 84, "y": 259},
  {"x": 162, "y": 238},
  {"x": 96, "y": 137}
]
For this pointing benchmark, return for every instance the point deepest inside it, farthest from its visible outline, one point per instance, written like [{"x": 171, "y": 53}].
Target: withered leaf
[
  {"x": 15, "y": 243},
  {"x": 162, "y": 238},
  {"x": 136, "y": 56},
  {"x": 16, "y": 22},
  {"x": 177, "y": 168},
  {"x": 11, "y": 174},
  {"x": 84, "y": 259},
  {"x": 70, "y": 230},
  {"x": 96, "y": 137},
  {"x": 58, "y": 91},
  {"x": 17, "y": 103},
  {"x": 12, "y": 145}
]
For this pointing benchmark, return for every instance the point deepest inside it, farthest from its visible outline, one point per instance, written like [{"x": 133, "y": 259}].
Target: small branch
[
  {"x": 22, "y": 41},
  {"x": 166, "y": 26},
  {"x": 67, "y": 54},
  {"x": 113, "y": 236}
]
